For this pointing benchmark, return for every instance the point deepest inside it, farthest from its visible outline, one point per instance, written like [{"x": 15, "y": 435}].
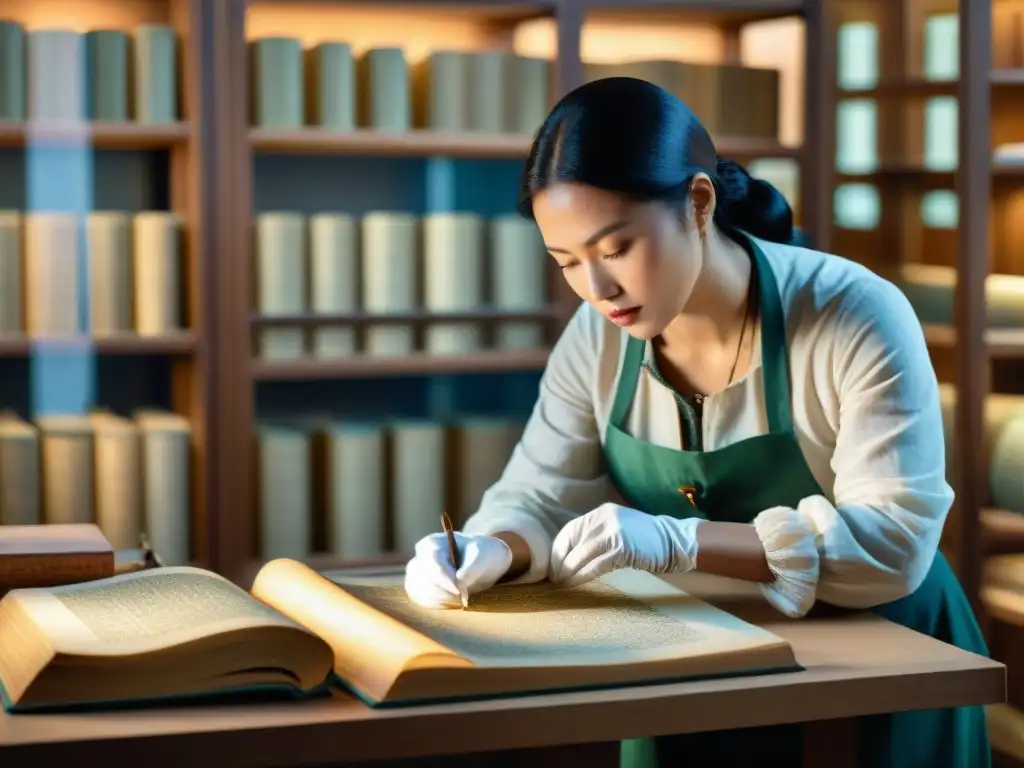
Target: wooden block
[{"x": 49, "y": 555}]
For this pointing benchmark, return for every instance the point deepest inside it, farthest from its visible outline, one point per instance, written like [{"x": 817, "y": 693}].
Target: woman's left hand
[{"x": 612, "y": 537}]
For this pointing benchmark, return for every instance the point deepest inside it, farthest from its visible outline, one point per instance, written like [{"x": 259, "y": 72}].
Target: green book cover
[
  {"x": 154, "y": 74},
  {"x": 331, "y": 86},
  {"x": 106, "y": 79},
  {"x": 276, "y": 80},
  {"x": 12, "y": 72}
]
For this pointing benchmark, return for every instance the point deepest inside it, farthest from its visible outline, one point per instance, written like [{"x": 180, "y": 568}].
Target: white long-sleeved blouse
[{"x": 865, "y": 407}]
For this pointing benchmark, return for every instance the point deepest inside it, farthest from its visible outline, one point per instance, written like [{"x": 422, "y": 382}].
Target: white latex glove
[
  {"x": 431, "y": 581},
  {"x": 612, "y": 537}
]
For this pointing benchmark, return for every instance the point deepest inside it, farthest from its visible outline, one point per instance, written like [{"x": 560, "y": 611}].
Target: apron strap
[
  {"x": 628, "y": 377},
  {"x": 774, "y": 344}
]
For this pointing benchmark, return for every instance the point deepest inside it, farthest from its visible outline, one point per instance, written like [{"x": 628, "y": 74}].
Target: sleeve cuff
[
  {"x": 792, "y": 554},
  {"x": 532, "y": 531}
]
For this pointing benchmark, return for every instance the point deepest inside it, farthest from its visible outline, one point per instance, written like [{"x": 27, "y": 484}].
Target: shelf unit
[
  {"x": 168, "y": 162},
  {"x": 496, "y": 25},
  {"x": 975, "y": 358},
  {"x": 213, "y": 160}
]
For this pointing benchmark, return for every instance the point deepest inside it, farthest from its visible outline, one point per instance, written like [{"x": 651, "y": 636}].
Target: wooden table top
[{"x": 854, "y": 665}]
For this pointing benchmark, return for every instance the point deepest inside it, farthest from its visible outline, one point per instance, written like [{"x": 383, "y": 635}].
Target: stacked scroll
[
  {"x": 931, "y": 290},
  {"x": 729, "y": 99},
  {"x": 329, "y": 86},
  {"x": 107, "y": 75},
  {"x": 1004, "y": 446},
  {"x": 130, "y": 476},
  {"x": 359, "y": 490},
  {"x": 132, "y": 275},
  {"x": 391, "y": 263}
]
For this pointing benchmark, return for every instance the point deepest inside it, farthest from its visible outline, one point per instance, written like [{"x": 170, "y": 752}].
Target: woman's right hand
[{"x": 431, "y": 581}]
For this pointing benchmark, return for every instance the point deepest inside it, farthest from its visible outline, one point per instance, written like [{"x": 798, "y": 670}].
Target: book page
[
  {"x": 625, "y": 617},
  {"x": 369, "y": 646},
  {"x": 143, "y": 611}
]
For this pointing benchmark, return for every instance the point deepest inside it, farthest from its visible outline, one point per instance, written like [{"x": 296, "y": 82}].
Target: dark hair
[{"x": 633, "y": 138}]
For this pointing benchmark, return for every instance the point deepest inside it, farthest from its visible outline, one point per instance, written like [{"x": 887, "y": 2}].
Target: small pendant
[
  {"x": 688, "y": 493},
  {"x": 699, "y": 398}
]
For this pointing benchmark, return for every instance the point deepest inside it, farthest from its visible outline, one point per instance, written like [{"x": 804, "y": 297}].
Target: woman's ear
[{"x": 702, "y": 196}]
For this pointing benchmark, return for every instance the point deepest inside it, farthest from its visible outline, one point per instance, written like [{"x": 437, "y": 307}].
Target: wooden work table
[{"x": 855, "y": 665}]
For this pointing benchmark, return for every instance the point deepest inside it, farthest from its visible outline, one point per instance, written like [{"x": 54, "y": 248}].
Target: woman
[{"x": 763, "y": 411}]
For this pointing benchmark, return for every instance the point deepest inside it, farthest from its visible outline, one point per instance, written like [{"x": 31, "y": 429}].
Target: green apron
[{"x": 735, "y": 484}]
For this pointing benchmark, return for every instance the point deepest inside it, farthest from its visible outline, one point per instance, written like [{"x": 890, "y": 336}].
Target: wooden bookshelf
[
  {"x": 137, "y": 166},
  {"x": 213, "y": 164},
  {"x": 987, "y": 89},
  {"x": 723, "y": 12},
  {"x": 417, "y": 364},
  {"x": 486, "y": 316},
  {"x": 980, "y": 238},
  {"x": 424, "y": 26},
  {"x": 124, "y": 136},
  {"x": 424, "y": 143},
  {"x": 1004, "y": 343},
  {"x": 420, "y": 143},
  {"x": 179, "y": 344}
]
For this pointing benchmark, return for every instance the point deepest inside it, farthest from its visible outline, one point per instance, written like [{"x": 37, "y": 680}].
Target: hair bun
[{"x": 753, "y": 205}]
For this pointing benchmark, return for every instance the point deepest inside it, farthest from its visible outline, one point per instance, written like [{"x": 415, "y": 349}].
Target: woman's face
[{"x": 635, "y": 263}]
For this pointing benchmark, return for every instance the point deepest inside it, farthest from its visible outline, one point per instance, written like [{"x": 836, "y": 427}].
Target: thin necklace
[{"x": 699, "y": 396}]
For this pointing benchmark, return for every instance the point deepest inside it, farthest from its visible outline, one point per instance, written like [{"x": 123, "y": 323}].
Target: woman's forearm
[
  {"x": 520, "y": 554},
  {"x": 732, "y": 550}
]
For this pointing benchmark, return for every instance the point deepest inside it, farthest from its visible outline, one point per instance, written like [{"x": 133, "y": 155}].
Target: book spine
[
  {"x": 12, "y": 72},
  {"x": 941, "y": 128},
  {"x": 67, "y": 475},
  {"x": 702, "y": 80},
  {"x": 1006, "y": 455},
  {"x": 453, "y": 266},
  {"x": 51, "y": 267},
  {"x": 390, "y": 278},
  {"x": 20, "y": 492},
  {"x": 386, "y": 90},
  {"x": 331, "y": 85},
  {"x": 489, "y": 91},
  {"x": 763, "y": 114},
  {"x": 856, "y": 136},
  {"x": 285, "y": 493},
  {"x": 108, "y": 248},
  {"x": 281, "y": 281},
  {"x": 518, "y": 264},
  {"x": 857, "y": 55},
  {"x": 166, "y": 486},
  {"x": 106, "y": 59},
  {"x": 118, "y": 471},
  {"x": 277, "y": 86},
  {"x": 157, "y": 260},
  {"x": 10, "y": 274},
  {"x": 56, "y": 59},
  {"x": 483, "y": 448},
  {"x": 731, "y": 112},
  {"x": 931, "y": 290},
  {"x": 417, "y": 482},
  {"x": 334, "y": 280},
  {"x": 531, "y": 88},
  {"x": 443, "y": 89},
  {"x": 155, "y": 74},
  {"x": 356, "y": 501},
  {"x": 941, "y": 41}
]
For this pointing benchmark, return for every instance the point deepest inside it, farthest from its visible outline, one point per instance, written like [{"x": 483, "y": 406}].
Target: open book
[{"x": 178, "y": 632}]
